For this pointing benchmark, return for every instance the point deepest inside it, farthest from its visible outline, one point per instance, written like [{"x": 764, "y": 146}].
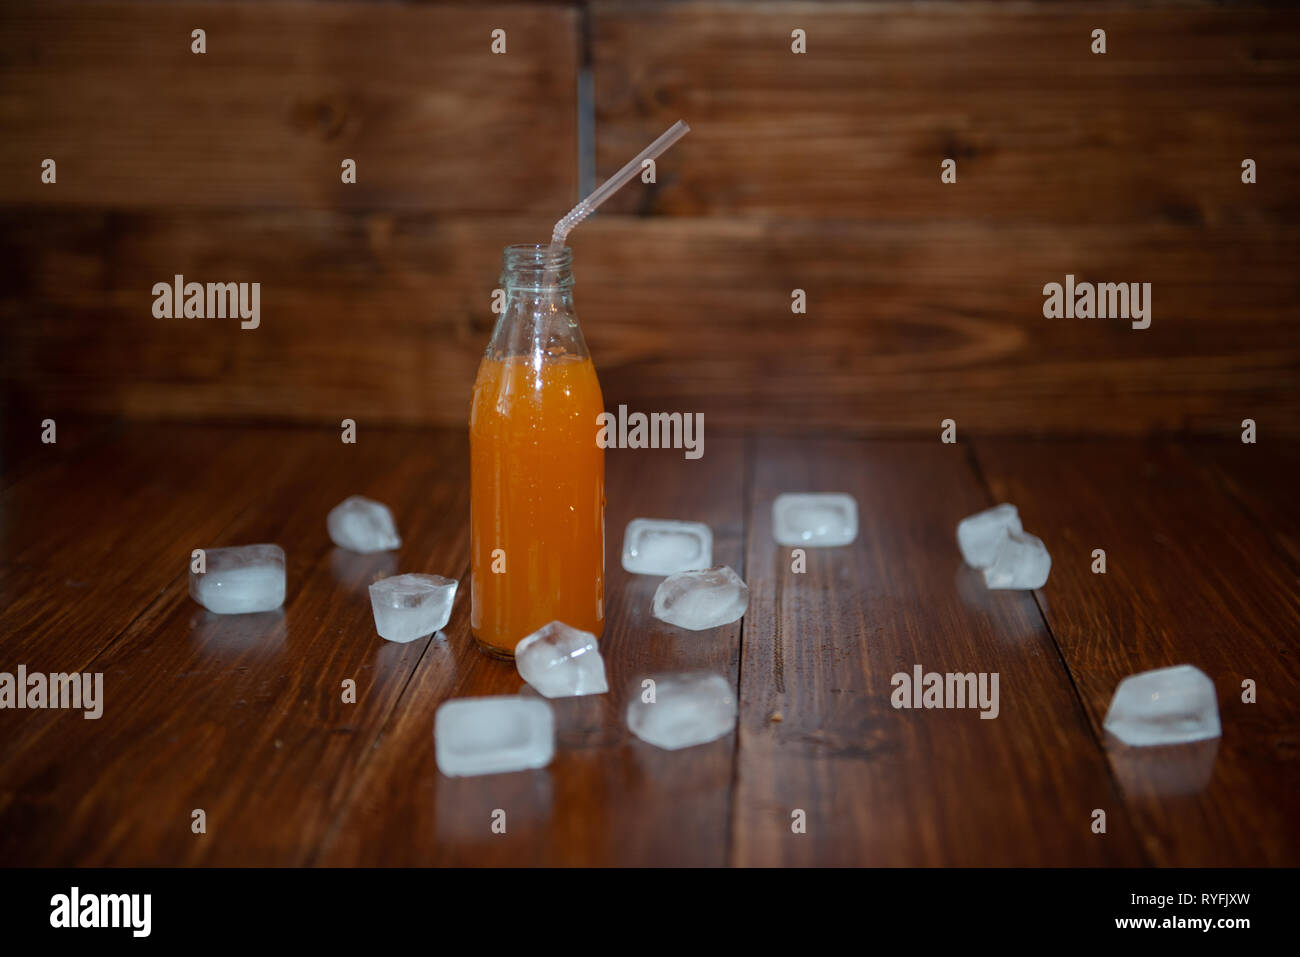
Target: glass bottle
[{"x": 537, "y": 474}]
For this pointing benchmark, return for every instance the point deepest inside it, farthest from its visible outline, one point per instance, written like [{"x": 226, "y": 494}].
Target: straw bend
[{"x": 612, "y": 185}]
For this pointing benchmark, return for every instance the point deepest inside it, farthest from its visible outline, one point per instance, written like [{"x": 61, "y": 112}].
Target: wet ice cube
[
  {"x": 411, "y": 606},
  {"x": 561, "y": 662},
  {"x": 688, "y": 708},
  {"x": 1021, "y": 562},
  {"x": 979, "y": 535},
  {"x": 493, "y": 735},
  {"x": 1166, "y": 706},
  {"x": 239, "y": 580},
  {"x": 363, "y": 525},
  {"x": 654, "y": 546},
  {"x": 701, "y": 599},
  {"x": 820, "y": 519}
]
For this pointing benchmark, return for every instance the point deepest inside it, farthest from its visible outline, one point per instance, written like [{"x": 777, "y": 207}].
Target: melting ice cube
[
  {"x": 1021, "y": 562},
  {"x": 979, "y": 535},
  {"x": 688, "y": 708},
  {"x": 701, "y": 599},
  {"x": 659, "y": 547},
  {"x": 561, "y": 662},
  {"x": 822, "y": 519},
  {"x": 1166, "y": 706},
  {"x": 363, "y": 525},
  {"x": 411, "y": 606},
  {"x": 239, "y": 580},
  {"x": 493, "y": 735}
]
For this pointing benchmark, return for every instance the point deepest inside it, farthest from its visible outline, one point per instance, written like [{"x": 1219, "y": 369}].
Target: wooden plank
[
  {"x": 607, "y": 798},
  {"x": 241, "y": 716},
  {"x": 383, "y": 318},
  {"x": 1260, "y": 477},
  {"x": 910, "y": 325},
  {"x": 886, "y": 786},
  {"x": 25, "y": 445},
  {"x": 1042, "y": 129},
  {"x": 364, "y": 316},
  {"x": 91, "y": 538},
  {"x": 285, "y": 92},
  {"x": 1189, "y": 579},
  {"x": 94, "y": 541}
]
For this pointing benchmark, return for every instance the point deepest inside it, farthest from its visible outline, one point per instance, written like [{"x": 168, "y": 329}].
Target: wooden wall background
[{"x": 818, "y": 171}]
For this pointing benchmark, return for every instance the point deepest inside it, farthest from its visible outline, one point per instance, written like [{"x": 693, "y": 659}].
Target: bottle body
[{"x": 537, "y": 474}]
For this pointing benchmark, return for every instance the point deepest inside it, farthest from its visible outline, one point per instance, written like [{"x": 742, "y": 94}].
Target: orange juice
[{"x": 537, "y": 498}]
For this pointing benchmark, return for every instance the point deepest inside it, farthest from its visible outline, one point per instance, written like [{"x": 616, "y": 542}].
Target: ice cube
[
  {"x": 362, "y": 525},
  {"x": 688, "y": 708},
  {"x": 561, "y": 662},
  {"x": 239, "y": 580},
  {"x": 654, "y": 546},
  {"x": 1021, "y": 562},
  {"x": 411, "y": 606},
  {"x": 701, "y": 599},
  {"x": 493, "y": 735},
  {"x": 821, "y": 519},
  {"x": 979, "y": 535},
  {"x": 1166, "y": 706}
]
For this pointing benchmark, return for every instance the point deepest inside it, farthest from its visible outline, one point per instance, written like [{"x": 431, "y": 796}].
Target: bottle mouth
[
  {"x": 538, "y": 256},
  {"x": 537, "y": 265}
]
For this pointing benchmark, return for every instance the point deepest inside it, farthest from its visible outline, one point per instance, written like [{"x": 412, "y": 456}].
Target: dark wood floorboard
[
  {"x": 608, "y": 798},
  {"x": 1190, "y": 579},
  {"x": 239, "y": 716},
  {"x": 818, "y": 733},
  {"x": 243, "y": 717},
  {"x": 23, "y": 450},
  {"x": 1261, "y": 478}
]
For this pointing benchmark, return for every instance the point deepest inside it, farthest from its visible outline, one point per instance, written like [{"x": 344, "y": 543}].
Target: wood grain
[
  {"x": 383, "y": 318},
  {"x": 816, "y": 172},
  {"x": 286, "y": 91},
  {"x": 1043, "y": 130},
  {"x": 885, "y": 786},
  {"x": 813, "y": 172},
  {"x": 1189, "y": 580},
  {"x": 24, "y": 449},
  {"x": 90, "y": 538},
  {"x": 608, "y": 798},
  {"x": 240, "y": 716},
  {"x": 1261, "y": 477}
]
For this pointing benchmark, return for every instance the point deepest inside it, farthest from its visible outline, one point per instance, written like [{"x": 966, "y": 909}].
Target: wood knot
[{"x": 323, "y": 116}]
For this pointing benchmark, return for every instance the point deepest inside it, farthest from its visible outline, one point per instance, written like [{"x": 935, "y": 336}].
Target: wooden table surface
[{"x": 243, "y": 717}]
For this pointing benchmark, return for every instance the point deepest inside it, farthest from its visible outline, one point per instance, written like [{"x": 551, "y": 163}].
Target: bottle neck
[
  {"x": 537, "y": 267},
  {"x": 539, "y": 318}
]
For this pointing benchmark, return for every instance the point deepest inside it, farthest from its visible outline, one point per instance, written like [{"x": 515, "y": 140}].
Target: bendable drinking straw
[{"x": 611, "y": 185}]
